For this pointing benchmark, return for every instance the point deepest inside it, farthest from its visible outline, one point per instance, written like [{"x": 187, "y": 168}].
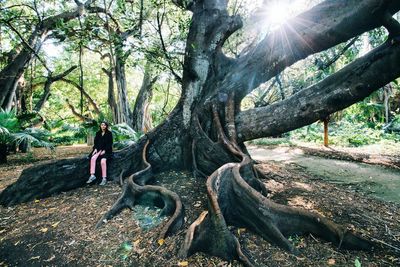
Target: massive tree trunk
[
  {"x": 10, "y": 74},
  {"x": 206, "y": 130}
]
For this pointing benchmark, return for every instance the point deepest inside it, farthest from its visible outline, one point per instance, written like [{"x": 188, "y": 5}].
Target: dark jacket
[{"x": 103, "y": 142}]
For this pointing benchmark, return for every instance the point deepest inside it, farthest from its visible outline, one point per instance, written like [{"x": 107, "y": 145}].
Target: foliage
[
  {"x": 357, "y": 263},
  {"x": 12, "y": 131},
  {"x": 344, "y": 133},
  {"x": 63, "y": 133},
  {"x": 124, "y": 135}
]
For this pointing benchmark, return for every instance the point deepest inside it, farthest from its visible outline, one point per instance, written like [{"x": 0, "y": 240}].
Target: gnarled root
[
  {"x": 135, "y": 192},
  {"x": 232, "y": 201}
]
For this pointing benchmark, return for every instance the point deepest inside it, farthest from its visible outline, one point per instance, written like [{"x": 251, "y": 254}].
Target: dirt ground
[{"x": 60, "y": 230}]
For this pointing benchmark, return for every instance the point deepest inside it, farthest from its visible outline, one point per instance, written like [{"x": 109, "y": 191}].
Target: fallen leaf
[
  {"x": 197, "y": 204},
  {"x": 183, "y": 263},
  {"x": 161, "y": 241},
  {"x": 240, "y": 230},
  {"x": 44, "y": 230},
  {"x": 35, "y": 258},
  {"x": 37, "y": 200},
  {"x": 331, "y": 262},
  {"x": 51, "y": 258},
  {"x": 54, "y": 225}
]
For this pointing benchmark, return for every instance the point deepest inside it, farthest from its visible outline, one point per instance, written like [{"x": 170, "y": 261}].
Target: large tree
[{"x": 206, "y": 130}]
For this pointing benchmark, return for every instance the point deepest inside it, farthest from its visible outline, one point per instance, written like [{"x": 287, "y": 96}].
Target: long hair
[{"x": 106, "y": 123}]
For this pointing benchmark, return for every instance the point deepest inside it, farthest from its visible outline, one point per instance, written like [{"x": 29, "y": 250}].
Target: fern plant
[
  {"x": 124, "y": 135},
  {"x": 12, "y": 134}
]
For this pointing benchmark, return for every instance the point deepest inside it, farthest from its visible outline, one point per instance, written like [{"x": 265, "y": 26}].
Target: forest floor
[{"x": 59, "y": 230}]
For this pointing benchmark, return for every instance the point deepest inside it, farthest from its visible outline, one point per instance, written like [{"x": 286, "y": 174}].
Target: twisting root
[
  {"x": 252, "y": 177},
  {"x": 196, "y": 170},
  {"x": 230, "y": 118},
  {"x": 136, "y": 192},
  {"x": 238, "y": 198}
]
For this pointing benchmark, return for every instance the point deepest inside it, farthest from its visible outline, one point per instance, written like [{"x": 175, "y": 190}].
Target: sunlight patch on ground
[
  {"x": 303, "y": 186},
  {"x": 274, "y": 186},
  {"x": 280, "y": 154},
  {"x": 299, "y": 201}
]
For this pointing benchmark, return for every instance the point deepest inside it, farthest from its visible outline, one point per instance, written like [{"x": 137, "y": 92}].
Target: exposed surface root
[
  {"x": 135, "y": 192},
  {"x": 233, "y": 202},
  {"x": 238, "y": 198}
]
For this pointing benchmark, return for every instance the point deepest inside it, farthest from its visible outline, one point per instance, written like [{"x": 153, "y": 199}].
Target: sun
[{"x": 277, "y": 13}]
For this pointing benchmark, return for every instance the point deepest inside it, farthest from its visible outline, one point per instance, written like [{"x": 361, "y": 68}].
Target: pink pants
[{"x": 103, "y": 163}]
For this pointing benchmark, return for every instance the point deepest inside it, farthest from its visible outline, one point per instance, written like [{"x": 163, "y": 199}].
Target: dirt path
[{"x": 375, "y": 180}]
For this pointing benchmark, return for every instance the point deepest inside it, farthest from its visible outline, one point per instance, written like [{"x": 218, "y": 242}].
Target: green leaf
[{"x": 357, "y": 263}]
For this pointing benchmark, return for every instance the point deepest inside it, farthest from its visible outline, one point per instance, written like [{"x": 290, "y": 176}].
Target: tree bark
[
  {"x": 141, "y": 118},
  {"x": 11, "y": 73},
  {"x": 112, "y": 103},
  {"x": 124, "y": 112}
]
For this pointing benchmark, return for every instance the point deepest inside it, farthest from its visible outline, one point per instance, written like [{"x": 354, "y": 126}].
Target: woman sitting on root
[{"x": 102, "y": 149}]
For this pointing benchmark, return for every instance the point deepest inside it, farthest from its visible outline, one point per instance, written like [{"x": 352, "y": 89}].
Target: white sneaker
[
  {"x": 104, "y": 181},
  {"x": 91, "y": 179}
]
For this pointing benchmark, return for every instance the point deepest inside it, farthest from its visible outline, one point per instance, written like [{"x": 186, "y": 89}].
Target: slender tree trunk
[
  {"x": 387, "y": 91},
  {"x": 112, "y": 103},
  {"x": 326, "y": 135},
  {"x": 140, "y": 116},
  {"x": 20, "y": 96},
  {"x": 10, "y": 75},
  {"x": 124, "y": 113}
]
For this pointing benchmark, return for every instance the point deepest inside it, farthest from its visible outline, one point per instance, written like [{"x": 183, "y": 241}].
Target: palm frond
[
  {"x": 9, "y": 121},
  {"x": 20, "y": 137}
]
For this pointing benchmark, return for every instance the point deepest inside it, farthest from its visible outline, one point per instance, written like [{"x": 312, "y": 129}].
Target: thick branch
[
  {"x": 351, "y": 84},
  {"x": 88, "y": 97},
  {"x": 28, "y": 46},
  {"x": 77, "y": 114},
  {"x": 50, "y": 80},
  {"x": 320, "y": 28}
]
